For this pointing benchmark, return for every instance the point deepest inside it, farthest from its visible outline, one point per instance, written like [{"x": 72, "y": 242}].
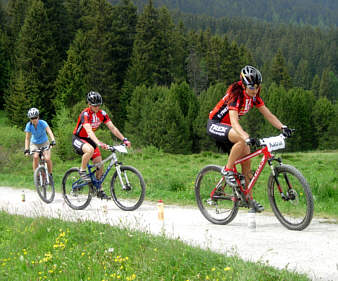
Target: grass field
[{"x": 50, "y": 249}]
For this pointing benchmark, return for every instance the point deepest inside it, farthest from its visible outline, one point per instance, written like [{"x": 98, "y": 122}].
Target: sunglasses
[
  {"x": 252, "y": 87},
  {"x": 33, "y": 118}
]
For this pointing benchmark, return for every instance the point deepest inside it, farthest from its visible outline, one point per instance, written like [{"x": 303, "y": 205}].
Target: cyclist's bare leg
[
  {"x": 239, "y": 149},
  {"x": 48, "y": 159},
  {"x": 35, "y": 161},
  {"x": 99, "y": 172},
  {"x": 88, "y": 151}
]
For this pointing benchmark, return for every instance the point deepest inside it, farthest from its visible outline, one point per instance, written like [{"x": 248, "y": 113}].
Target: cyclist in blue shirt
[{"x": 36, "y": 137}]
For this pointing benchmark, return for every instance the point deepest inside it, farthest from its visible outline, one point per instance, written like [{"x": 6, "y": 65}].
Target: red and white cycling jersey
[
  {"x": 221, "y": 111},
  {"x": 89, "y": 117}
]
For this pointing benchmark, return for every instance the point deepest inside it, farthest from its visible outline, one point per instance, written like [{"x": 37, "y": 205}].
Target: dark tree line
[
  {"x": 159, "y": 74},
  {"x": 301, "y": 12}
]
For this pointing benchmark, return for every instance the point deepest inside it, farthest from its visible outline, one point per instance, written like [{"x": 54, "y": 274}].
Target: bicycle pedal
[
  {"x": 211, "y": 202},
  {"x": 243, "y": 204}
]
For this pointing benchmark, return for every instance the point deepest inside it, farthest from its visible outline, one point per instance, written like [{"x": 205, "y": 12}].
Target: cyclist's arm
[
  {"x": 50, "y": 133},
  {"x": 114, "y": 130},
  {"x": 274, "y": 121},
  {"x": 236, "y": 126},
  {"x": 91, "y": 133},
  {"x": 27, "y": 140}
]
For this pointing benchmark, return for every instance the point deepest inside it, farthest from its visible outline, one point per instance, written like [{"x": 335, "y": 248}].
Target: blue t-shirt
[{"x": 39, "y": 134}]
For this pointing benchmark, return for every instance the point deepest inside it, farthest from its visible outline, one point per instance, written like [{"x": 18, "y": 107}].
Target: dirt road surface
[{"x": 313, "y": 251}]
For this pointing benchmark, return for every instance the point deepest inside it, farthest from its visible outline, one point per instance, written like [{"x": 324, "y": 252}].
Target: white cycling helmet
[{"x": 33, "y": 113}]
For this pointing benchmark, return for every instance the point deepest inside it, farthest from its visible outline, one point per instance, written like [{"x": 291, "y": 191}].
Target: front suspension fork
[{"x": 275, "y": 176}]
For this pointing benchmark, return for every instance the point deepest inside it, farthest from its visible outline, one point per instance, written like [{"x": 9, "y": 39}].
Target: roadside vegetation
[{"x": 50, "y": 249}]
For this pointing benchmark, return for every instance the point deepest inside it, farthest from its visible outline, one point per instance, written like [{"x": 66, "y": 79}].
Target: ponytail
[{"x": 234, "y": 92}]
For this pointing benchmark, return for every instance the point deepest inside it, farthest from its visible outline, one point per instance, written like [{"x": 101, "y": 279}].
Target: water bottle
[
  {"x": 23, "y": 197},
  {"x": 252, "y": 220},
  {"x": 160, "y": 210}
]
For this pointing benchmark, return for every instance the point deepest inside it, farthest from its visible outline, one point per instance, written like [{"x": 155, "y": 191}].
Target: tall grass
[{"x": 50, "y": 249}]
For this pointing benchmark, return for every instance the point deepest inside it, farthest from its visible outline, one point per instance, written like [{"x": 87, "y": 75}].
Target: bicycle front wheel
[
  {"x": 76, "y": 192},
  {"x": 216, "y": 200},
  {"x": 128, "y": 191},
  {"x": 44, "y": 187},
  {"x": 291, "y": 200}
]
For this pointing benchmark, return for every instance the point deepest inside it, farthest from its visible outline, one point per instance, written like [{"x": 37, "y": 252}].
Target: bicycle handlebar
[
  {"x": 122, "y": 148},
  {"x": 273, "y": 143},
  {"x": 42, "y": 149}
]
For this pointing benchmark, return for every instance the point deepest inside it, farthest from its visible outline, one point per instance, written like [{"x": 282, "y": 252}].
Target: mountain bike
[
  {"x": 289, "y": 193},
  {"x": 42, "y": 179},
  {"x": 127, "y": 185}
]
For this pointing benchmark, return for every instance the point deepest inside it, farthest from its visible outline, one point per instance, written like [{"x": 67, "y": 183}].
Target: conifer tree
[
  {"x": 19, "y": 100},
  {"x": 189, "y": 107},
  {"x": 214, "y": 60},
  {"x": 4, "y": 67},
  {"x": 298, "y": 115},
  {"x": 180, "y": 51},
  {"x": 59, "y": 27},
  {"x": 175, "y": 137},
  {"x": 135, "y": 109},
  {"x": 303, "y": 75},
  {"x": 71, "y": 85},
  {"x": 123, "y": 35},
  {"x": 152, "y": 62},
  {"x": 324, "y": 86},
  {"x": 316, "y": 85},
  {"x": 36, "y": 57},
  {"x": 75, "y": 13},
  {"x": 279, "y": 72},
  {"x": 323, "y": 114},
  {"x": 123, "y": 32},
  {"x": 16, "y": 10},
  {"x": 328, "y": 85}
]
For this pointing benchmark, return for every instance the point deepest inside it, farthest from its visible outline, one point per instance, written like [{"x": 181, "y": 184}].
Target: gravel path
[{"x": 313, "y": 251}]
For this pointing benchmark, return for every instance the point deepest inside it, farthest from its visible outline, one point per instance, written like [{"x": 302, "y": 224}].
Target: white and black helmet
[
  {"x": 250, "y": 76},
  {"x": 94, "y": 98},
  {"x": 33, "y": 113}
]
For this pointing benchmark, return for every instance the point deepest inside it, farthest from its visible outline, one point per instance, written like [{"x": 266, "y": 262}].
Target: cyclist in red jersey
[
  {"x": 85, "y": 141},
  {"x": 223, "y": 124}
]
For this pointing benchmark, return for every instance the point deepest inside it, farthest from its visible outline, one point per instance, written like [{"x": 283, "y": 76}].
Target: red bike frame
[{"x": 266, "y": 156}]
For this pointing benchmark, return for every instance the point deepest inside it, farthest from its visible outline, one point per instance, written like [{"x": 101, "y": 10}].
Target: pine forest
[{"x": 161, "y": 66}]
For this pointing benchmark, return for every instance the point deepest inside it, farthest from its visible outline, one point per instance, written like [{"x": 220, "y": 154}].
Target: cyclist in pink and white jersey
[{"x": 223, "y": 124}]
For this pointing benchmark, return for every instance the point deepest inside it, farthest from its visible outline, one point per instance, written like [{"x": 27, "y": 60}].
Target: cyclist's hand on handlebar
[
  {"x": 26, "y": 152},
  {"x": 287, "y": 132},
  {"x": 53, "y": 143},
  {"x": 104, "y": 146},
  {"x": 126, "y": 142},
  {"x": 251, "y": 141}
]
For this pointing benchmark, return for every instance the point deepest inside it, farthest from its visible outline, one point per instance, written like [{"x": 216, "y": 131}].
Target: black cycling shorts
[
  {"x": 220, "y": 132},
  {"x": 79, "y": 142}
]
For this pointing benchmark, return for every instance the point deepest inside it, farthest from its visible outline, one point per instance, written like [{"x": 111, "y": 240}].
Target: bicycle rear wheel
[
  {"x": 45, "y": 190},
  {"x": 128, "y": 194},
  {"x": 295, "y": 210},
  {"x": 76, "y": 192},
  {"x": 217, "y": 201}
]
